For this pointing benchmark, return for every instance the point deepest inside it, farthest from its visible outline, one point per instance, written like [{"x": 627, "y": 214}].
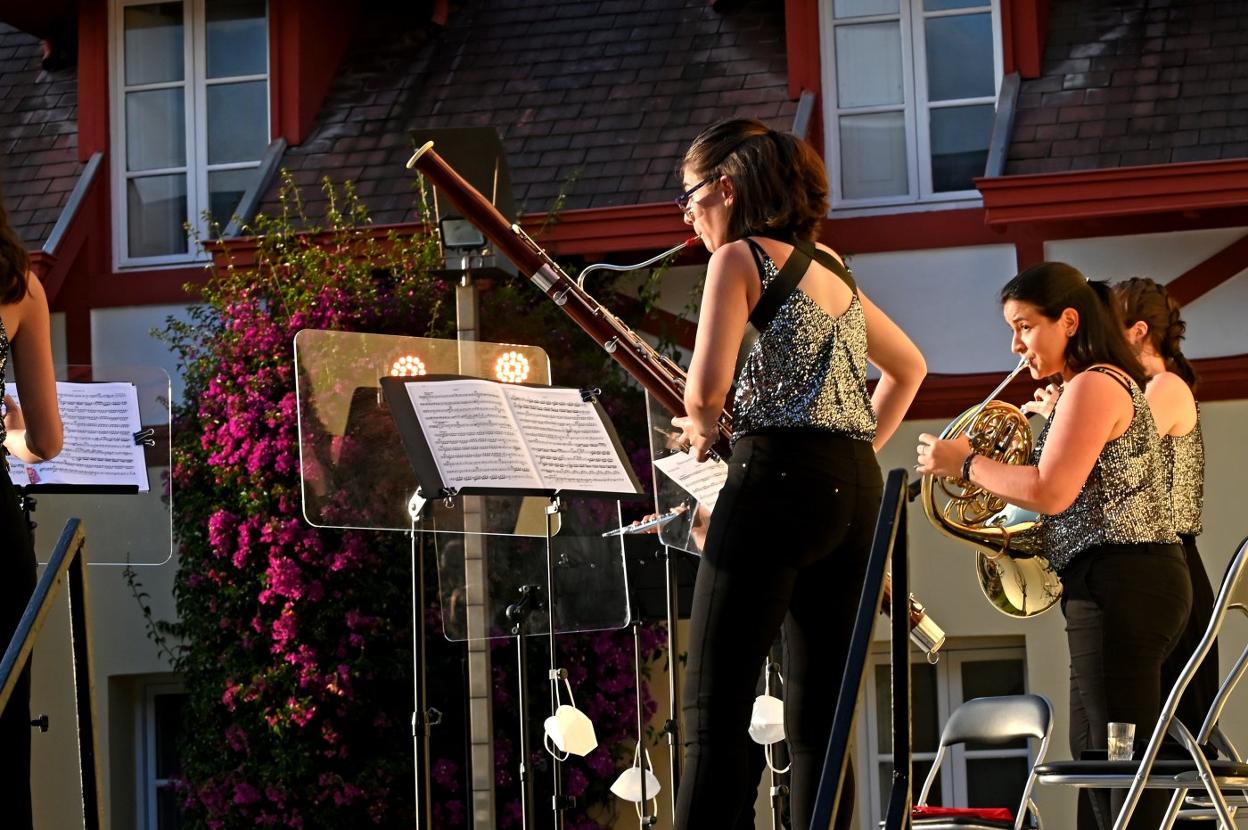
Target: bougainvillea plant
[{"x": 295, "y": 640}]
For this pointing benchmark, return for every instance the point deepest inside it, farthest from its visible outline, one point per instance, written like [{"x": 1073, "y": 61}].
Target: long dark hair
[
  {"x": 1140, "y": 298},
  {"x": 14, "y": 263},
  {"x": 780, "y": 183},
  {"x": 1053, "y": 287}
]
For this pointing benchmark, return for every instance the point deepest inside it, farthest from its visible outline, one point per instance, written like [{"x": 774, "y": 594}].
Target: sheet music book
[
  {"x": 469, "y": 435},
  {"x": 701, "y": 479},
  {"x": 99, "y": 450}
]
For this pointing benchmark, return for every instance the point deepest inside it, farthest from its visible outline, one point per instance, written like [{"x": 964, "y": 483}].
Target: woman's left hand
[
  {"x": 692, "y": 436},
  {"x": 942, "y": 458}
]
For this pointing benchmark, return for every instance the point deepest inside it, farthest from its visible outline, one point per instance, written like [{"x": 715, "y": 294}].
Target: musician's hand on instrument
[
  {"x": 693, "y": 438},
  {"x": 942, "y": 458},
  {"x": 1045, "y": 399}
]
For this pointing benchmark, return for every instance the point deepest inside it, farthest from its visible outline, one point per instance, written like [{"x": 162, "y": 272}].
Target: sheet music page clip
[
  {"x": 145, "y": 437},
  {"x": 588, "y": 395}
]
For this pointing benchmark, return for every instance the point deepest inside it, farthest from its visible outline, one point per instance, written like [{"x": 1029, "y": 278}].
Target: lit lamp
[
  {"x": 511, "y": 367},
  {"x": 409, "y": 365}
]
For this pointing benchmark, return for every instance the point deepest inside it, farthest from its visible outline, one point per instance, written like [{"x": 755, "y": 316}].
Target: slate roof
[
  {"x": 38, "y": 137},
  {"x": 605, "y": 94},
  {"x": 1132, "y": 82}
]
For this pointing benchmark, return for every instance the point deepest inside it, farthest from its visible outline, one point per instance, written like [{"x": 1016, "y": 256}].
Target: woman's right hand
[{"x": 1044, "y": 401}]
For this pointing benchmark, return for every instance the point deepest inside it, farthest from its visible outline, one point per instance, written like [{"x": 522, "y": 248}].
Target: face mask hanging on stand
[
  {"x": 628, "y": 785},
  {"x": 767, "y": 720},
  {"x": 569, "y": 729}
]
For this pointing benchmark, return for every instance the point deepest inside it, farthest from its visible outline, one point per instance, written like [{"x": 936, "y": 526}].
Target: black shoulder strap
[
  {"x": 786, "y": 282},
  {"x": 1113, "y": 373}
]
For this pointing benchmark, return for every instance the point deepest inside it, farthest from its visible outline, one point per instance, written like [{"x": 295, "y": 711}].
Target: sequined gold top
[
  {"x": 1185, "y": 463},
  {"x": 807, "y": 369},
  {"x": 1124, "y": 500}
]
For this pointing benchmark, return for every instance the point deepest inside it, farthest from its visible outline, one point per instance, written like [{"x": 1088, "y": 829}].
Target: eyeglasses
[{"x": 682, "y": 201}]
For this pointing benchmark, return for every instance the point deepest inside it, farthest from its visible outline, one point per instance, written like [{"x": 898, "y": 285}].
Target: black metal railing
[
  {"x": 889, "y": 542},
  {"x": 68, "y": 562}
]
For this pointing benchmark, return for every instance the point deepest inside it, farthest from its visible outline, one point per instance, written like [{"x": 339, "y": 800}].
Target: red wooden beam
[
  {"x": 1119, "y": 191},
  {"x": 1208, "y": 275}
]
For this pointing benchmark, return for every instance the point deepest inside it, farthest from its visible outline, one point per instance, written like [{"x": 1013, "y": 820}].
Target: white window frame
[
  {"x": 949, "y": 695},
  {"x": 195, "y": 83},
  {"x": 916, "y": 103},
  {"x": 147, "y": 784}
]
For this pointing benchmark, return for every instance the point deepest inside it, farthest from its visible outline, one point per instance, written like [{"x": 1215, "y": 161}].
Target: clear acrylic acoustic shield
[
  {"x": 356, "y": 474},
  {"x": 113, "y": 471},
  {"x": 693, "y": 498}
]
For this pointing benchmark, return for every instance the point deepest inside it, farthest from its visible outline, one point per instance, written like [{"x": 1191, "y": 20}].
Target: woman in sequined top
[
  {"x": 1098, "y": 477},
  {"x": 789, "y": 537},
  {"x": 1155, "y": 330},
  {"x": 32, "y": 433}
]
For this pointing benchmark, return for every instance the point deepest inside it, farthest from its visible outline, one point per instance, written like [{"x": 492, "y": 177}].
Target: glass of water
[{"x": 1121, "y": 741}]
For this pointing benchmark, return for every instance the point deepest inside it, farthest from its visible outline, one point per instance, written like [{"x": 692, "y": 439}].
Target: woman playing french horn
[{"x": 1097, "y": 477}]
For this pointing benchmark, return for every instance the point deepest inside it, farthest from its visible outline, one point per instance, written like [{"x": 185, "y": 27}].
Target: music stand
[
  {"x": 489, "y": 546},
  {"x": 117, "y": 429}
]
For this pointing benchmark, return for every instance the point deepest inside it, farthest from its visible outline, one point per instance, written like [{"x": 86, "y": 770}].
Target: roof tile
[{"x": 614, "y": 87}]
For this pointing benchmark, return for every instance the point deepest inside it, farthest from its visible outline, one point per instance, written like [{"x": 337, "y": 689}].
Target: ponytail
[{"x": 1142, "y": 299}]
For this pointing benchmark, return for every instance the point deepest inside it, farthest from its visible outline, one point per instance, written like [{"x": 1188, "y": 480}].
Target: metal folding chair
[
  {"x": 995, "y": 721},
  {"x": 1196, "y": 771}
]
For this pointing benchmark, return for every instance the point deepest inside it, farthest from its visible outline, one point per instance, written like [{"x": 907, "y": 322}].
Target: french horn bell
[{"x": 1010, "y": 565}]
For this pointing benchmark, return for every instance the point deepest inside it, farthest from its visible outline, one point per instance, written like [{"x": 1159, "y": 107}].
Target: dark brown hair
[
  {"x": 779, "y": 180},
  {"x": 14, "y": 263},
  {"x": 1140, "y": 298},
  {"x": 1053, "y": 287}
]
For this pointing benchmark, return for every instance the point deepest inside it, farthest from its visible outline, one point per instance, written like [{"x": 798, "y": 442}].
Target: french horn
[{"x": 1010, "y": 565}]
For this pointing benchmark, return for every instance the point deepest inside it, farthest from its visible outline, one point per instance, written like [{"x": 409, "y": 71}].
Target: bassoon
[{"x": 658, "y": 374}]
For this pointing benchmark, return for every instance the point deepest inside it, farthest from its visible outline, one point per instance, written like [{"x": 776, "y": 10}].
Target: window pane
[
  {"x": 992, "y": 678},
  {"x": 941, "y": 5},
  {"x": 861, "y": 8},
  {"x": 995, "y": 782},
  {"x": 868, "y": 65},
  {"x": 168, "y": 713},
  {"x": 238, "y": 123},
  {"x": 155, "y": 129},
  {"x": 157, "y": 212},
  {"x": 873, "y": 155},
  {"x": 960, "y": 149},
  {"x": 918, "y": 776},
  {"x": 238, "y": 42},
  {"x": 924, "y": 730},
  {"x": 225, "y": 191},
  {"x": 168, "y": 811},
  {"x": 153, "y": 43},
  {"x": 959, "y": 57}
]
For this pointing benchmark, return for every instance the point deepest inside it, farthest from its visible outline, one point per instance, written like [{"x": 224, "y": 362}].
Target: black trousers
[
  {"x": 1125, "y": 608},
  {"x": 17, "y": 561},
  {"x": 787, "y": 545}
]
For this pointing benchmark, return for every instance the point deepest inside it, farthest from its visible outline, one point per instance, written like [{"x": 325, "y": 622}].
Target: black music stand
[{"x": 574, "y": 451}]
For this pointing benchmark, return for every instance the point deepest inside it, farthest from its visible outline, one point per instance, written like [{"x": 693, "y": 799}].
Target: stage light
[
  {"x": 460, "y": 234},
  {"x": 512, "y": 367},
  {"x": 407, "y": 366}
]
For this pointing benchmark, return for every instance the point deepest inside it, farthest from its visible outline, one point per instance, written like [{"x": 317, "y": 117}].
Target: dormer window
[
  {"x": 910, "y": 93},
  {"x": 190, "y": 119}
]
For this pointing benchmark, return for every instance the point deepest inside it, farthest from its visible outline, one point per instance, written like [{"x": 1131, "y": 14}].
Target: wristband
[{"x": 966, "y": 466}]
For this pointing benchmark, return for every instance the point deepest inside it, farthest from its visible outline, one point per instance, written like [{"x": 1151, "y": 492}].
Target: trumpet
[{"x": 1010, "y": 566}]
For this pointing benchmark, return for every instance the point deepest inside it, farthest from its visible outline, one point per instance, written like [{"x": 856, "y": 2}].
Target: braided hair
[{"x": 1142, "y": 299}]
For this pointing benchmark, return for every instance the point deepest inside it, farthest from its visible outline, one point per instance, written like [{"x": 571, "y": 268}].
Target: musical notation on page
[
  {"x": 489, "y": 435},
  {"x": 701, "y": 479},
  {"x": 100, "y": 420}
]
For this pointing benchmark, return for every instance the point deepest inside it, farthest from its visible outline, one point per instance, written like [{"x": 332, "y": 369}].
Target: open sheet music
[
  {"x": 480, "y": 436},
  {"x": 101, "y": 420},
  {"x": 702, "y": 480}
]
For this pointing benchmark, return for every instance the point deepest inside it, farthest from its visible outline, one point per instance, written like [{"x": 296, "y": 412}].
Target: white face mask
[
  {"x": 628, "y": 785},
  {"x": 571, "y": 731},
  {"x": 767, "y": 720}
]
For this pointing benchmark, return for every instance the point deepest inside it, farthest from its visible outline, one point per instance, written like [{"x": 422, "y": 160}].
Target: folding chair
[
  {"x": 1194, "y": 772},
  {"x": 990, "y": 720}
]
